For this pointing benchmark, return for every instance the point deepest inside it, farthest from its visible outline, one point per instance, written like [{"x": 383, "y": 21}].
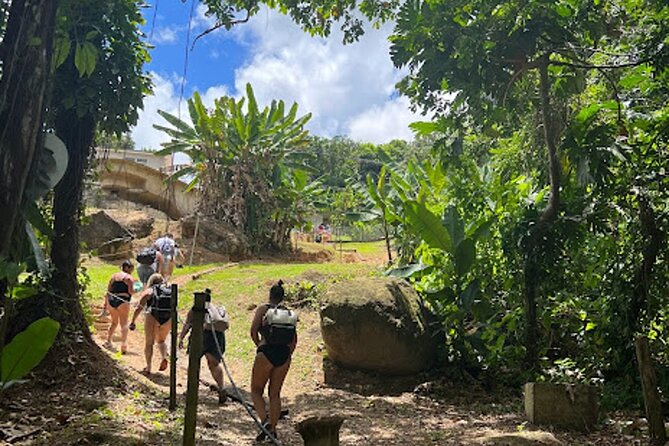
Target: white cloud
[
  {"x": 345, "y": 87},
  {"x": 384, "y": 123},
  {"x": 165, "y": 35},
  {"x": 165, "y": 97},
  {"x": 349, "y": 89},
  {"x": 213, "y": 93}
]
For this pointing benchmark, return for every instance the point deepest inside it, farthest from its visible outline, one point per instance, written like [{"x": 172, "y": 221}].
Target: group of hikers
[{"x": 273, "y": 328}]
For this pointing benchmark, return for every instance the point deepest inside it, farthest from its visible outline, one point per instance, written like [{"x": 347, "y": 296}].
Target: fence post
[
  {"x": 190, "y": 417},
  {"x": 651, "y": 396},
  {"x": 173, "y": 348}
]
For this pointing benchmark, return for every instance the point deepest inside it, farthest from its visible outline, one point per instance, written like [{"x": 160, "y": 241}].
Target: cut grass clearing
[{"x": 240, "y": 288}]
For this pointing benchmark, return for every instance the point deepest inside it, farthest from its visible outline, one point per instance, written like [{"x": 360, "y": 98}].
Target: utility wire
[{"x": 186, "y": 53}]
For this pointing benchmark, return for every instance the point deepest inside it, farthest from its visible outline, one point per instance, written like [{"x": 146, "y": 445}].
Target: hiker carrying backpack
[
  {"x": 273, "y": 330},
  {"x": 146, "y": 256},
  {"x": 160, "y": 303},
  {"x": 216, "y": 322},
  {"x": 279, "y": 325},
  {"x": 148, "y": 261}
]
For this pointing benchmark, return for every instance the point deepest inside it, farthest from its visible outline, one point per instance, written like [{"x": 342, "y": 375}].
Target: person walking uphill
[
  {"x": 150, "y": 261},
  {"x": 119, "y": 293},
  {"x": 216, "y": 321},
  {"x": 156, "y": 298},
  {"x": 273, "y": 331},
  {"x": 167, "y": 247}
]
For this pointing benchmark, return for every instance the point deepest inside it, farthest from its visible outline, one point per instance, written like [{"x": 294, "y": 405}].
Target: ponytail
[{"x": 277, "y": 293}]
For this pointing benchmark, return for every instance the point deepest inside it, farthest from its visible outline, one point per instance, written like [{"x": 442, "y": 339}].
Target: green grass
[
  {"x": 368, "y": 248},
  {"x": 242, "y": 287}
]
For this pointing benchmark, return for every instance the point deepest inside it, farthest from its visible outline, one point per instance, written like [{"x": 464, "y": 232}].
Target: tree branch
[
  {"x": 582, "y": 64},
  {"x": 615, "y": 94},
  {"x": 219, "y": 25}
]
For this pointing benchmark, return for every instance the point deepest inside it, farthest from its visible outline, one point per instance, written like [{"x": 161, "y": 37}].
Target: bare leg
[
  {"x": 262, "y": 369},
  {"x": 169, "y": 270},
  {"x": 163, "y": 332},
  {"x": 123, "y": 311},
  {"x": 276, "y": 378},
  {"x": 215, "y": 369},
  {"x": 149, "y": 336},
  {"x": 114, "y": 313}
]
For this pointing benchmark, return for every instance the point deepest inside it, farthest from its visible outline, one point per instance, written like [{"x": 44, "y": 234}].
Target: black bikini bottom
[
  {"x": 116, "y": 301},
  {"x": 162, "y": 316},
  {"x": 278, "y": 355}
]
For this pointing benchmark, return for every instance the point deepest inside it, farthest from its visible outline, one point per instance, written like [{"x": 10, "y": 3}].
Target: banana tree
[
  {"x": 238, "y": 151},
  {"x": 448, "y": 243}
]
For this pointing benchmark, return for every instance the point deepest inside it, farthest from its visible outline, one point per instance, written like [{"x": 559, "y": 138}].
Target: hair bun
[{"x": 280, "y": 282}]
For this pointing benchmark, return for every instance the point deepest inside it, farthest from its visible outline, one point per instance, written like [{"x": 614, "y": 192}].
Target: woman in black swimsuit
[
  {"x": 271, "y": 364},
  {"x": 119, "y": 292},
  {"x": 156, "y": 324}
]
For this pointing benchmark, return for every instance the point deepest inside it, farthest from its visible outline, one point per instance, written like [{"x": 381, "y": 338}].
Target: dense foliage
[
  {"x": 538, "y": 228},
  {"x": 246, "y": 164}
]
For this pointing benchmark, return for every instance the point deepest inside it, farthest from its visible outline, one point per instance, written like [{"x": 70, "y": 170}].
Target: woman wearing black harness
[
  {"x": 216, "y": 321},
  {"x": 271, "y": 363},
  {"x": 119, "y": 292},
  {"x": 155, "y": 298}
]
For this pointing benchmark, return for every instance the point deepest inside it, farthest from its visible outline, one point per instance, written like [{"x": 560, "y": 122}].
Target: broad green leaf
[
  {"x": 469, "y": 295},
  {"x": 588, "y": 112},
  {"x": 27, "y": 349},
  {"x": 34, "y": 216},
  {"x": 454, "y": 224},
  {"x": 407, "y": 271},
  {"x": 424, "y": 128},
  {"x": 427, "y": 225},
  {"x": 79, "y": 59},
  {"x": 60, "y": 51},
  {"x": 465, "y": 254}
]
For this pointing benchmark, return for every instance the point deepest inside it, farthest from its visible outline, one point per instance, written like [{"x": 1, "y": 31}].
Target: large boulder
[
  {"x": 107, "y": 237},
  {"x": 141, "y": 227},
  {"x": 216, "y": 236},
  {"x": 379, "y": 325}
]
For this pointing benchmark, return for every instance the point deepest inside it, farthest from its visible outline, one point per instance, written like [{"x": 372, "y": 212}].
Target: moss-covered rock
[{"x": 378, "y": 324}]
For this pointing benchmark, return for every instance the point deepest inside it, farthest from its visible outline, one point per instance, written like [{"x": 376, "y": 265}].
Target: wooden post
[
  {"x": 320, "y": 430},
  {"x": 192, "y": 248},
  {"x": 173, "y": 349},
  {"x": 190, "y": 417},
  {"x": 651, "y": 396}
]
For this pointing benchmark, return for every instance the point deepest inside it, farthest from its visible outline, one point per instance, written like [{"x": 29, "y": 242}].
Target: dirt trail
[
  {"x": 132, "y": 410},
  {"x": 459, "y": 415}
]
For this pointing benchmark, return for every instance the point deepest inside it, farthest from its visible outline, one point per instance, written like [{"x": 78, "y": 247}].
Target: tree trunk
[
  {"x": 554, "y": 168},
  {"x": 26, "y": 68},
  {"x": 386, "y": 235},
  {"x": 77, "y": 134},
  {"x": 651, "y": 395},
  {"x": 537, "y": 237},
  {"x": 655, "y": 239},
  {"x": 26, "y": 61},
  {"x": 530, "y": 295}
]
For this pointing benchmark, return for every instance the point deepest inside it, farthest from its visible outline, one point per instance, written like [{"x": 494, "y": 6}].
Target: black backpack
[
  {"x": 146, "y": 256},
  {"x": 279, "y": 325},
  {"x": 161, "y": 301}
]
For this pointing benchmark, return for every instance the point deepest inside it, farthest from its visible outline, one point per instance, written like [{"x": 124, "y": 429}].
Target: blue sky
[{"x": 349, "y": 89}]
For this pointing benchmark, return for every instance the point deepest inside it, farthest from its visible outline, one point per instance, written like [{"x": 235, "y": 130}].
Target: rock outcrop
[
  {"x": 379, "y": 325},
  {"x": 106, "y": 237},
  {"x": 141, "y": 227},
  {"x": 216, "y": 236}
]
